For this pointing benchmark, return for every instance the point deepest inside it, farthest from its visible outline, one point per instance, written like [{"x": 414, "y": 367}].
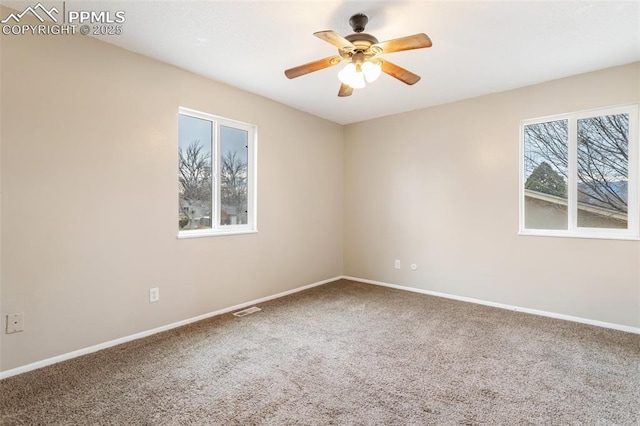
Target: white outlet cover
[
  {"x": 397, "y": 264},
  {"x": 154, "y": 294},
  {"x": 15, "y": 323}
]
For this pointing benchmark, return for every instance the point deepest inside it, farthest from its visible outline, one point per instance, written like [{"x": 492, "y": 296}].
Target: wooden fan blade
[
  {"x": 335, "y": 39},
  {"x": 345, "y": 90},
  {"x": 416, "y": 41},
  {"x": 400, "y": 73},
  {"x": 313, "y": 66}
]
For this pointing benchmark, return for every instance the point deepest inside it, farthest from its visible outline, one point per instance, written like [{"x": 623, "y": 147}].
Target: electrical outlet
[
  {"x": 154, "y": 294},
  {"x": 15, "y": 323},
  {"x": 397, "y": 264}
]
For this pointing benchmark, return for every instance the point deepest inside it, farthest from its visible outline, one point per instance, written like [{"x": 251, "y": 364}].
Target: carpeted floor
[{"x": 346, "y": 353}]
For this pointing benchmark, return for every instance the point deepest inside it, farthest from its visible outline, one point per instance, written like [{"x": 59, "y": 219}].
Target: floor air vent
[{"x": 245, "y": 312}]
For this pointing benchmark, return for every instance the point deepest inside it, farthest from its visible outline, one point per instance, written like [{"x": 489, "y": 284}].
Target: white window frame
[
  {"x": 252, "y": 179},
  {"x": 633, "y": 218}
]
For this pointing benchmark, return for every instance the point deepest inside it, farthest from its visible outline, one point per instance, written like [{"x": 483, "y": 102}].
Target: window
[
  {"x": 579, "y": 174},
  {"x": 216, "y": 175}
]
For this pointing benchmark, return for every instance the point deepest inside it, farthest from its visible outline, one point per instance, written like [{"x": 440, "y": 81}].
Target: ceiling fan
[{"x": 362, "y": 51}]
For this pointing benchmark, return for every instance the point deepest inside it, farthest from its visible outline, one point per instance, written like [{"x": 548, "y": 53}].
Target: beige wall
[
  {"x": 89, "y": 198},
  {"x": 439, "y": 187}
]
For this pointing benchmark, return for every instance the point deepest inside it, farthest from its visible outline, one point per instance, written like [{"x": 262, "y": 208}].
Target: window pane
[
  {"x": 603, "y": 177},
  {"x": 194, "y": 172},
  {"x": 233, "y": 175},
  {"x": 545, "y": 175}
]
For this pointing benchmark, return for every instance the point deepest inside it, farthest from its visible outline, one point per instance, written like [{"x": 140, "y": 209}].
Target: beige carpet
[{"x": 342, "y": 354}]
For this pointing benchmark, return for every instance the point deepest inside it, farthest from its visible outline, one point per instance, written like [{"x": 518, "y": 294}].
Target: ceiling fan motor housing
[{"x": 362, "y": 41}]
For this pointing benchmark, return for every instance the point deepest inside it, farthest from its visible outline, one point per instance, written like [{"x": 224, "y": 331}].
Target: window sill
[
  {"x": 200, "y": 233},
  {"x": 626, "y": 236}
]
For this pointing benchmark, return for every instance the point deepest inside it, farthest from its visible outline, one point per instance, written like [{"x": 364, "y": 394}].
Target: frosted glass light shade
[
  {"x": 371, "y": 71},
  {"x": 352, "y": 77}
]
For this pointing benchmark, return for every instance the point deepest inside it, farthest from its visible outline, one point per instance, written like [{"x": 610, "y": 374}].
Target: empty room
[{"x": 319, "y": 212}]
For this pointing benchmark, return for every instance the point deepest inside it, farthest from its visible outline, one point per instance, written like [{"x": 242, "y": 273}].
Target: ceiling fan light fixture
[
  {"x": 352, "y": 76},
  {"x": 361, "y": 51},
  {"x": 371, "y": 71}
]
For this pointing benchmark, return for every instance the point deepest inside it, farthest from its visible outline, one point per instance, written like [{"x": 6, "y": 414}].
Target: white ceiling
[{"x": 479, "y": 47}]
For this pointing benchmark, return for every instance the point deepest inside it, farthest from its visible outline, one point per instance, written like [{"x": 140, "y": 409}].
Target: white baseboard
[
  {"x": 603, "y": 324},
  {"x": 95, "y": 348}
]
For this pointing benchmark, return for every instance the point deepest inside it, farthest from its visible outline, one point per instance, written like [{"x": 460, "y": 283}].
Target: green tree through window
[{"x": 546, "y": 180}]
